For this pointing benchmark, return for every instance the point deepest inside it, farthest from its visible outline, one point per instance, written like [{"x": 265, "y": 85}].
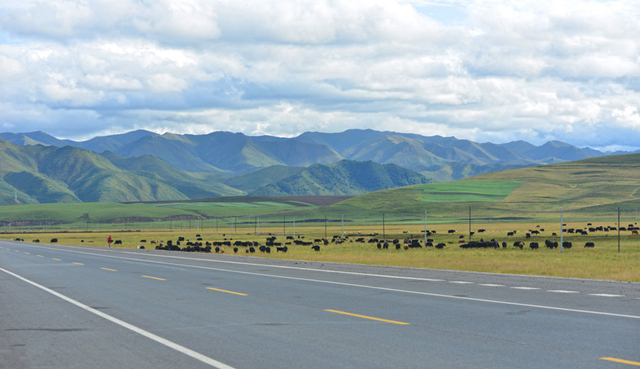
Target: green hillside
[
  {"x": 48, "y": 174},
  {"x": 590, "y": 187},
  {"x": 192, "y": 185},
  {"x": 342, "y": 178},
  {"x": 250, "y": 182}
]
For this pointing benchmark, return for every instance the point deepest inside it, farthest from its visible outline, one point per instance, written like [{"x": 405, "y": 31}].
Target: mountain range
[
  {"x": 50, "y": 174},
  {"x": 145, "y": 166},
  {"x": 233, "y": 154}
]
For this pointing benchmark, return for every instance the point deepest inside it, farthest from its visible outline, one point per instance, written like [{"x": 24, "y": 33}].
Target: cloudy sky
[{"x": 484, "y": 70}]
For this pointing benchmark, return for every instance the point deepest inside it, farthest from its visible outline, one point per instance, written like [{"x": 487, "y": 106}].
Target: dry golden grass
[{"x": 601, "y": 262}]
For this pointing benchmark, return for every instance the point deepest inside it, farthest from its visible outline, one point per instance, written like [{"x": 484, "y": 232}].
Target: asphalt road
[{"x": 93, "y": 307}]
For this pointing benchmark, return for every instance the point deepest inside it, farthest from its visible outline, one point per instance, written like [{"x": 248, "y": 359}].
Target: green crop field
[{"x": 467, "y": 191}]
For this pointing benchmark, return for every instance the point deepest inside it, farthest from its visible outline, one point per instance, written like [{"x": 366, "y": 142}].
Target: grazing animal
[
  {"x": 480, "y": 245},
  {"x": 589, "y": 244},
  {"x": 118, "y": 242},
  {"x": 54, "y": 240},
  {"x": 316, "y": 248}
]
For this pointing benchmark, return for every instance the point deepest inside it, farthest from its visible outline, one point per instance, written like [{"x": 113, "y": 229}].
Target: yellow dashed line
[
  {"x": 111, "y": 270},
  {"x": 40, "y": 256},
  {"x": 635, "y": 363},
  {"x": 78, "y": 264},
  {"x": 56, "y": 259},
  {"x": 225, "y": 291},
  {"x": 160, "y": 279},
  {"x": 28, "y": 253},
  {"x": 366, "y": 317}
]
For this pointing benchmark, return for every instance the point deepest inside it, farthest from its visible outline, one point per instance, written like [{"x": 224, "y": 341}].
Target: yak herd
[
  {"x": 249, "y": 247},
  {"x": 418, "y": 241},
  {"x": 272, "y": 244}
]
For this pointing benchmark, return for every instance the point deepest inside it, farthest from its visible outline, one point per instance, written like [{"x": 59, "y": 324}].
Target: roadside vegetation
[{"x": 601, "y": 262}]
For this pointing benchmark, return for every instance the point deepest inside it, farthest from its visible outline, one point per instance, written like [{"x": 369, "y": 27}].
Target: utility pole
[
  {"x": 561, "y": 228},
  {"x": 425, "y": 227},
  {"x": 469, "y": 223},
  {"x": 618, "y": 230},
  {"x": 384, "y": 233},
  {"x": 325, "y": 226}
]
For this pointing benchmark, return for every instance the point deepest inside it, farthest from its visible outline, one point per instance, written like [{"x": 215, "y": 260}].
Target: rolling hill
[
  {"x": 45, "y": 174},
  {"x": 250, "y": 182},
  {"x": 585, "y": 187},
  {"x": 346, "y": 177}
]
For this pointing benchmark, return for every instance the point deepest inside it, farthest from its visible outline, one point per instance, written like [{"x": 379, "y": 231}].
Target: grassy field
[{"x": 601, "y": 262}]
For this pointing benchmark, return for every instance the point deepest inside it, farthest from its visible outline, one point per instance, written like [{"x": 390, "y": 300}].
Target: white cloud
[{"x": 485, "y": 69}]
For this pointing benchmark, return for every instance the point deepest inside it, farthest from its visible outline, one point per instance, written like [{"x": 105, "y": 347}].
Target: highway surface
[{"x": 93, "y": 307}]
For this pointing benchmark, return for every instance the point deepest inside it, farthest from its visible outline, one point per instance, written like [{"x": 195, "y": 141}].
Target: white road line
[
  {"x": 131, "y": 327},
  {"x": 562, "y": 291},
  {"x": 491, "y": 285},
  {"x": 525, "y": 288},
  {"x": 61, "y": 248},
  {"x": 461, "y": 282},
  {"x": 606, "y": 295},
  {"x": 360, "y": 285}
]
